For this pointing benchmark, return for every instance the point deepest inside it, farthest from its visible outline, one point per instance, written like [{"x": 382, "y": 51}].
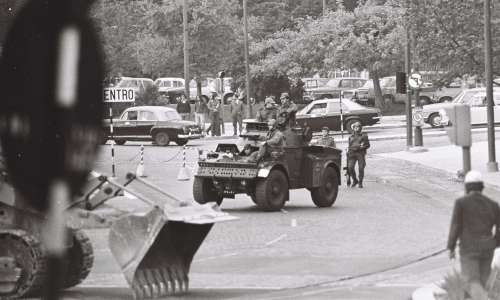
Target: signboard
[
  {"x": 115, "y": 95},
  {"x": 418, "y": 117},
  {"x": 415, "y": 81}
]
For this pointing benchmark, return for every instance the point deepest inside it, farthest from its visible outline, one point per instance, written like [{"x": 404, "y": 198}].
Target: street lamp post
[
  {"x": 247, "y": 69},
  {"x": 492, "y": 164},
  {"x": 186, "y": 48}
]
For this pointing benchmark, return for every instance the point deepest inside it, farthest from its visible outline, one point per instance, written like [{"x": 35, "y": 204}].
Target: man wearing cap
[
  {"x": 268, "y": 111},
  {"x": 325, "y": 140},
  {"x": 476, "y": 224},
  {"x": 214, "y": 115},
  {"x": 358, "y": 144},
  {"x": 289, "y": 107}
]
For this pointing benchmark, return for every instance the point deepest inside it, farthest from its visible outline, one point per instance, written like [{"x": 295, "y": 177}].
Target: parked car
[
  {"x": 139, "y": 85},
  {"x": 365, "y": 95},
  {"x": 327, "y": 112},
  {"x": 323, "y": 88},
  {"x": 151, "y": 123},
  {"x": 475, "y": 98},
  {"x": 170, "y": 87},
  {"x": 439, "y": 95}
]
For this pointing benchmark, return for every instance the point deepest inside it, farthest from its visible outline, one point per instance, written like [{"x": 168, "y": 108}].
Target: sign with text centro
[{"x": 112, "y": 95}]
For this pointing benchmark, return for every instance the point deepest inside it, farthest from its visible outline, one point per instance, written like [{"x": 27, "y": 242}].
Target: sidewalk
[{"x": 449, "y": 159}]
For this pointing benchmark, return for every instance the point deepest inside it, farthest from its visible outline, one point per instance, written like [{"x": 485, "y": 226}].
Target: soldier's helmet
[
  {"x": 282, "y": 118},
  {"x": 473, "y": 177},
  {"x": 269, "y": 102},
  {"x": 285, "y": 96}
]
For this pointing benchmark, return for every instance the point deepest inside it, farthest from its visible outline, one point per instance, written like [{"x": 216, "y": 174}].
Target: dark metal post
[
  {"x": 186, "y": 48},
  {"x": 492, "y": 164},
  {"x": 466, "y": 159},
  {"x": 409, "y": 133},
  {"x": 324, "y": 7},
  {"x": 419, "y": 140},
  {"x": 247, "y": 68}
]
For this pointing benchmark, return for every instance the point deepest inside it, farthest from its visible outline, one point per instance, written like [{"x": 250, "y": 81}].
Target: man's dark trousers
[{"x": 352, "y": 158}]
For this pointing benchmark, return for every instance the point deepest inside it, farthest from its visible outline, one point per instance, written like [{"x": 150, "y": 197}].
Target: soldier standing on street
[
  {"x": 289, "y": 107},
  {"x": 236, "y": 110},
  {"x": 476, "y": 223},
  {"x": 268, "y": 111},
  {"x": 326, "y": 140},
  {"x": 358, "y": 143}
]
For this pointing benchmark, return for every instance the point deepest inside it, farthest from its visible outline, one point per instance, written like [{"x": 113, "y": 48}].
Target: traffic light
[
  {"x": 401, "y": 82},
  {"x": 457, "y": 124}
]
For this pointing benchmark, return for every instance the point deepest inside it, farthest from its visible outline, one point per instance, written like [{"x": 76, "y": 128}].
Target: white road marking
[{"x": 276, "y": 239}]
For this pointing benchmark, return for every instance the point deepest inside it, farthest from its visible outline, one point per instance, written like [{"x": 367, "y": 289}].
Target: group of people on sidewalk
[{"x": 212, "y": 111}]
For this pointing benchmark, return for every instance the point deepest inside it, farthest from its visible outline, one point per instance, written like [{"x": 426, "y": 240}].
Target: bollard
[
  {"x": 140, "y": 168},
  {"x": 183, "y": 171}
]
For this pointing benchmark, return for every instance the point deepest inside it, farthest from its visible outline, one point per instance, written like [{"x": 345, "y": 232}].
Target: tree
[
  {"x": 370, "y": 38},
  {"x": 449, "y": 36}
]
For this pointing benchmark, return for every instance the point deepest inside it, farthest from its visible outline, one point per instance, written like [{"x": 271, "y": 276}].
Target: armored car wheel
[
  {"x": 80, "y": 259},
  {"x": 271, "y": 193},
  {"x": 29, "y": 256},
  {"x": 326, "y": 194},
  {"x": 204, "y": 191}
]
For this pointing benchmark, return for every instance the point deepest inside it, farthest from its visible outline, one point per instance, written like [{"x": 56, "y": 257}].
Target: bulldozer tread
[
  {"x": 30, "y": 256},
  {"x": 80, "y": 259}
]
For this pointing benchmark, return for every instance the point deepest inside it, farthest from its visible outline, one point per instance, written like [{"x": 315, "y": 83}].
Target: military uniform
[
  {"x": 265, "y": 114},
  {"x": 358, "y": 143},
  {"x": 274, "y": 139},
  {"x": 326, "y": 141},
  {"x": 291, "y": 109},
  {"x": 474, "y": 217}
]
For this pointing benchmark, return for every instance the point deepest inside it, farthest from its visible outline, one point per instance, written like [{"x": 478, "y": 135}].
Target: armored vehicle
[{"x": 227, "y": 171}]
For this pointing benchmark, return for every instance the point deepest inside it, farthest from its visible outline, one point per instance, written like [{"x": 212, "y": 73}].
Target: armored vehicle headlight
[{"x": 263, "y": 173}]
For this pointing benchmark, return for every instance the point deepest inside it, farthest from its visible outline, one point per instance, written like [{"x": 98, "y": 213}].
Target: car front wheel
[
  {"x": 435, "y": 120},
  {"x": 162, "y": 139},
  {"x": 271, "y": 193}
]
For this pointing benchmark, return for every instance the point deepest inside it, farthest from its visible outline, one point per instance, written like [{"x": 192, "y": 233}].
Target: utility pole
[
  {"x": 186, "y": 48},
  {"x": 324, "y": 7},
  {"x": 409, "y": 125},
  {"x": 492, "y": 164},
  {"x": 247, "y": 68}
]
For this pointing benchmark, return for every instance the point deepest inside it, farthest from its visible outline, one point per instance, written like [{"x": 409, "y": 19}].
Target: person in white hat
[
  {"x": 358, "y": 144},
  {"x": 476, "y": 224}
]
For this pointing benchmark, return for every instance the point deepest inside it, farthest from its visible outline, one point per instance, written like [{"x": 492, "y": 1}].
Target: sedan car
[
  {"x": 475, "y": 98},
  {"x": 322, "y": 88},
  {"x": 329, "y": 112},
  {"x": 151, "y": 123}
]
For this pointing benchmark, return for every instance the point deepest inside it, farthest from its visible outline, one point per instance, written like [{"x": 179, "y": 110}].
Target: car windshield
[{"x": 171, "y": 116}]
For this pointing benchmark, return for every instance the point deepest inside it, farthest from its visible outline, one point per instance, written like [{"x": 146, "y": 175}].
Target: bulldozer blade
[{"x": 155, "y": 249}]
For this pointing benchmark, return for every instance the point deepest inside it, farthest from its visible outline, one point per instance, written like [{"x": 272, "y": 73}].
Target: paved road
[{"x": 401, "y": 216}]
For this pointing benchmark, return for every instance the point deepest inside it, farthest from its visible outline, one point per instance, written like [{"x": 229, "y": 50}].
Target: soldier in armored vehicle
[
  {"x": 274, "y": 139},
  {"x": 269, "y": 111}
]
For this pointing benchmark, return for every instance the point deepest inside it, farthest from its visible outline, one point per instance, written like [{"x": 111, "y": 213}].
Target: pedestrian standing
[
  {"x": 236, "y": 110},
  {"x": 184, "y": 108},
  {"x": 213, "y": 110},
  {"x": 200, "y": 111},
  {"x": 476, "y": 224},
  {"x": 358, "y": 144},
  {"x": 325, "y": 139}
]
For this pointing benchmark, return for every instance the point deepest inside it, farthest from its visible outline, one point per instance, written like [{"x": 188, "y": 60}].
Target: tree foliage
[{"x": 449, "y": 35}]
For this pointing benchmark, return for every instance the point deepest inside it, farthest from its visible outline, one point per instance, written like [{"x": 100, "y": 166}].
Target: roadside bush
[{"x": 150, "y": 96}]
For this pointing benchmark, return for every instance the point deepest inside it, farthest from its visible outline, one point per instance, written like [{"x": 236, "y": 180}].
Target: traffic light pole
[{"x": 466, "y": 159}]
